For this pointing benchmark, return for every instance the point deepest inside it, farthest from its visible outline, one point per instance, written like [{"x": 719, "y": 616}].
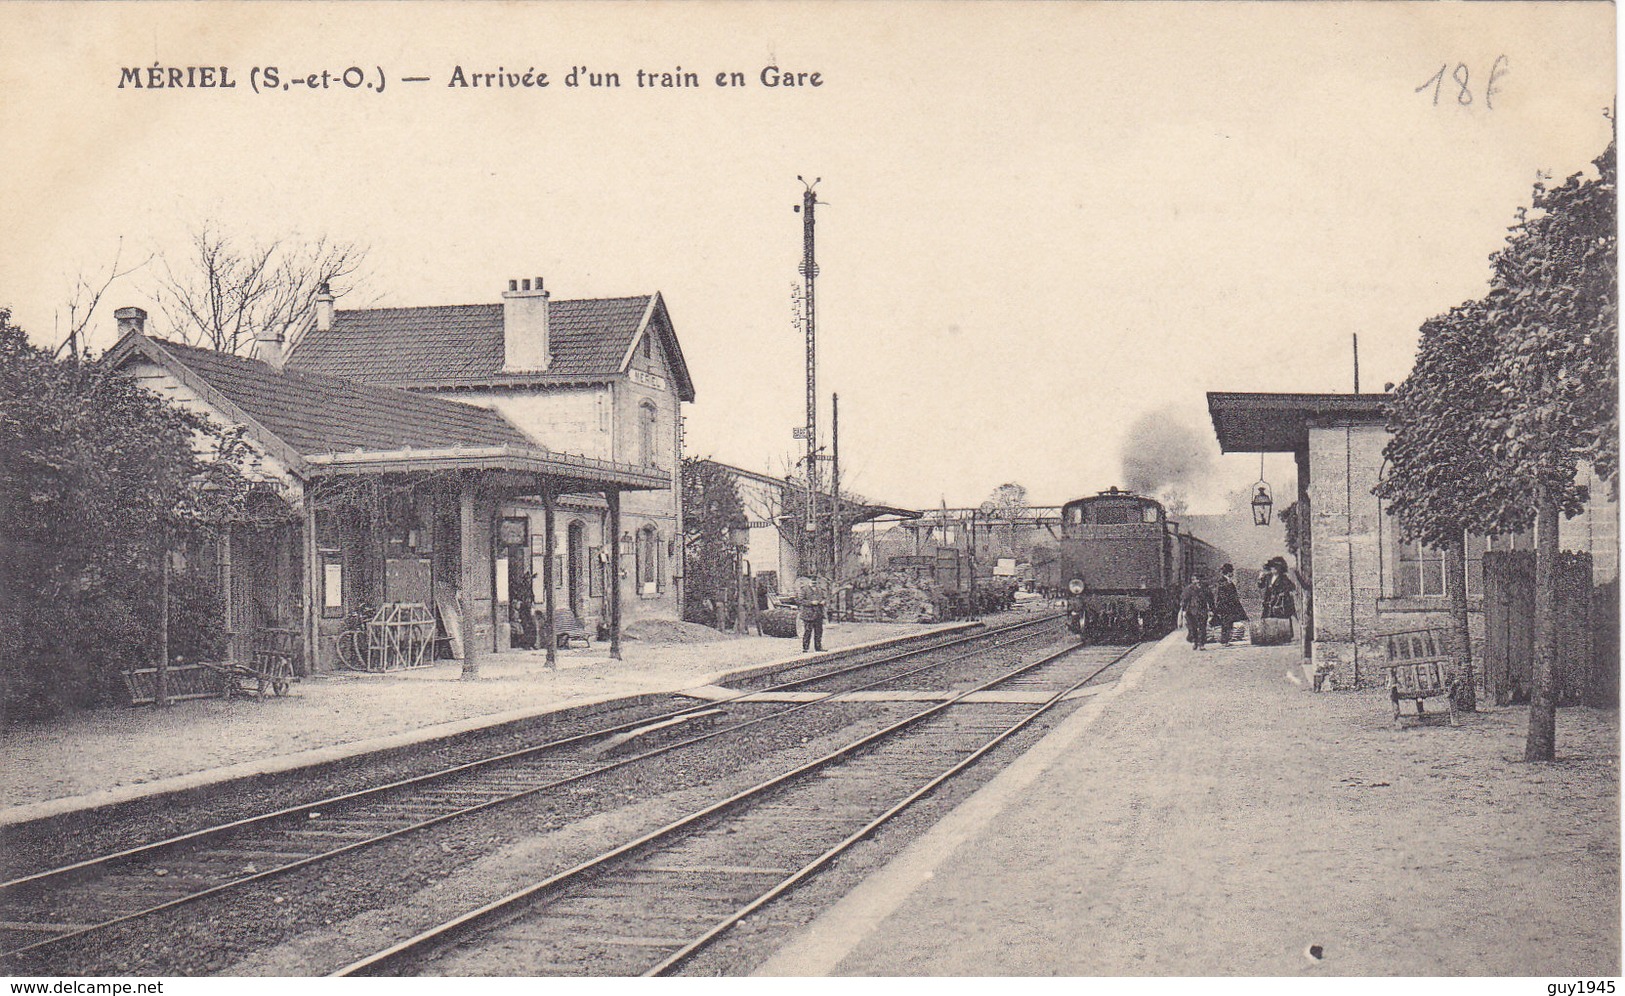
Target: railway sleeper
[{"x": 596, "y": 906}]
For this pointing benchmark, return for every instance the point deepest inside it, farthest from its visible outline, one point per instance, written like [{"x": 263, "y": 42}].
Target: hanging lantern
[{"x": 1262, "y": 501}]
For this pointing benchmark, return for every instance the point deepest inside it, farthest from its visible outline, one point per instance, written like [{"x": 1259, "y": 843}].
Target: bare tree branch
[
  {"x": 224, "y": 291},
  {"x": 86, "y": 296}
]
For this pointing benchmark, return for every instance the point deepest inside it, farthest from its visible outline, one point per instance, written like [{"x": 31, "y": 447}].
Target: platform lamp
[{"x": 1262, "y": 502}]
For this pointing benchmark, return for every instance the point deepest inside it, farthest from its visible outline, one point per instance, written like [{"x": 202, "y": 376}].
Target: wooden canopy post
[
  {"x": 311, "y": 588},
  {"x": 223, "y": 572},
  {"x": 549, "y": 638},
  {"x": 161, "y": 678},
  {"x": 613, "y": 497},
  {"x": 468, "y": 538}
]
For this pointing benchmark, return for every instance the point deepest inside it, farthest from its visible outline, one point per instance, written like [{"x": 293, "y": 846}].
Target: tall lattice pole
[
  {"x": 836, "y": 532},
  {"x": 809, "y": 273}
]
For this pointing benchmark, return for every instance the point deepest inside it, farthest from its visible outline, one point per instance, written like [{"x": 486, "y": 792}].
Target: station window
[
  {"x": 648, "y": 560},
  {"x": 1418, "y": 570},
  {"x": 647, "y": 418}
]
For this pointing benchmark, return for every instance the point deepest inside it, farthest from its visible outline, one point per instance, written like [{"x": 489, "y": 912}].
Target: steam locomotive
[{"x": 1121, "y": 564}]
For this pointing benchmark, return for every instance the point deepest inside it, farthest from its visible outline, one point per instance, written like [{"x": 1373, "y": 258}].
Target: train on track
[{"x": 1121, "y": 564}]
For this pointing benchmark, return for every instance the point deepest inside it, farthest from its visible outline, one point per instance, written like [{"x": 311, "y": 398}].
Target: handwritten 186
[{"x": 1461, "y": 83}]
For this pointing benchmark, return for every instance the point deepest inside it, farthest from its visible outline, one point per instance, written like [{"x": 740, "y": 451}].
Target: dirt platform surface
[
  {"x": 91, "y": 754},
  {"x": 1215, "y": 818}
]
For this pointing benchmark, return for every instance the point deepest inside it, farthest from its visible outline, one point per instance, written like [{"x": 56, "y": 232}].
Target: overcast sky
[{"x": 1042, "y": 221}]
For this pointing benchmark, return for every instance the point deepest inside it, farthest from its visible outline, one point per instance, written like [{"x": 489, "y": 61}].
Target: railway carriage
[{"x": 1121, "y": 563}]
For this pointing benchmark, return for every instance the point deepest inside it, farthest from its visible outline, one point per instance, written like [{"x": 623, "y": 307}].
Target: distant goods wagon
[{"x": 1121, "y": 563}]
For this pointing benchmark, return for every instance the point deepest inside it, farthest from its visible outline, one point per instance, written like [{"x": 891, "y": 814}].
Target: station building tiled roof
[
  {"x": 314, "y": 413},
  {"x": 454, "y": 346}
]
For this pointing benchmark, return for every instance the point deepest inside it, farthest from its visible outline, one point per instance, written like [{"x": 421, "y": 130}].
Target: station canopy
[{"x": 1279, "y": 423}]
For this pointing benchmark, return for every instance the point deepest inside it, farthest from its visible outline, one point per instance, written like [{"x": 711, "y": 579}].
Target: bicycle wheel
[{"x": 351, "y": 654}]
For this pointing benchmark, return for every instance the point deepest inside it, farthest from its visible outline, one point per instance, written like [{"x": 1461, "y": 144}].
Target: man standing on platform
[
  {"x": 812, "y": 596},
  {"x": 1196, "y": 602}
]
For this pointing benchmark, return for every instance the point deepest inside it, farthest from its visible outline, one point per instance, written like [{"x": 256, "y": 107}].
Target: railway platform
[
  {"x": 113, "y": 756},
  {"x": 1210, "y": 815}
]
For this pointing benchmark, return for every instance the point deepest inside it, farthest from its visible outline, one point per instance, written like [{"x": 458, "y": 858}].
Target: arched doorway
[{"x": 575, "y": 570}]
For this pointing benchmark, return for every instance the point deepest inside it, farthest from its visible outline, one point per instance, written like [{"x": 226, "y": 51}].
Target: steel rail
[
  {"x": 211, "y": 833},
  {"x": 156, "y": 847},
  {"x": 448, "y": 932},
  {"x": 677, "y": 958}
]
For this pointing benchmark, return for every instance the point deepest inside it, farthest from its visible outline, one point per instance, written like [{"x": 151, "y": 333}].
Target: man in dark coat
[
  {"x": 1196, "y": 602},
  {"x": 812, "y": 595},
  {"x": 1227, "y": 608}
]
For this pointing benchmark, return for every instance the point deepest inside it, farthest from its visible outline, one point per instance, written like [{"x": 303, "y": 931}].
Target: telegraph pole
[
  {"x": 809, "y": 273},
  {"x": 835, "y": 530}
]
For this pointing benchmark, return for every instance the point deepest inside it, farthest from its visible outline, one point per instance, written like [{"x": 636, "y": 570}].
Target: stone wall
[{"x": 1344, "y": 463}]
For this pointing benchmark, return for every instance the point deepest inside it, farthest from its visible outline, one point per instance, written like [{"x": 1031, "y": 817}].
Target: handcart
[{"x": 270, "y": 667}]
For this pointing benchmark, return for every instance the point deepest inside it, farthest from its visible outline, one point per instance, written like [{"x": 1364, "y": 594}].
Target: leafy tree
[
  {"x": 97, "y": 477},
  {"x": 1443, "y": 479},
  {"x": 1509, "y": 395},
  {"x": 1555, "y": 308},
  {"x": 711, "y": 507},
  {"x": 1010, "y": 498}
]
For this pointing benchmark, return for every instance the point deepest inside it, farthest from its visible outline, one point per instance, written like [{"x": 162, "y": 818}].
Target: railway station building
[
  {"x": 600, "y": 378},
  {"x": 1362, "y": 581},
  {"x": 462, "y": 500}
]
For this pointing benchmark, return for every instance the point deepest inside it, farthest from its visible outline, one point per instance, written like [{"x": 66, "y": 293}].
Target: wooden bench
[
  {"x": 568, "y": 630},
  {"x": 1418, "y": 670}
]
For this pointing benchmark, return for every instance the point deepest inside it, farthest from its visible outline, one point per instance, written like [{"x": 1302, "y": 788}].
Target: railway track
[
  {"x": 71, "y": 904},
  {"x": 648, "y": 906}
]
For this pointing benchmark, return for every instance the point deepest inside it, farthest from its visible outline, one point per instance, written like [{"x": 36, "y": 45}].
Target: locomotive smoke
[{"x": 1165, "y": 457}]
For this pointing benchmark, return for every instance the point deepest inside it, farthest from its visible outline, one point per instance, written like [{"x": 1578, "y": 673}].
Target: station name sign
[{"x": 647, "y": 379}]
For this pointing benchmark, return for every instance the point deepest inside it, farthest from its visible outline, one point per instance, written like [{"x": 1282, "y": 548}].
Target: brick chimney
[
  {"x": 131, "y": 320},
  {"x": 525, "y": 345},
  {"x": 324, "y": 308}
]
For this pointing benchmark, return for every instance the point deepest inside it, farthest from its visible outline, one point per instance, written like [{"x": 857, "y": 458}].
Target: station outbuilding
[{"x": 1363, "y": 581}]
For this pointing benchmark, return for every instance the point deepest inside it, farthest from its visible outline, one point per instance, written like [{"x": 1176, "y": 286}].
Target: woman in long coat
[
  {"x": 1277, "y": 590},
  {"x": 1227, "y": 608}
]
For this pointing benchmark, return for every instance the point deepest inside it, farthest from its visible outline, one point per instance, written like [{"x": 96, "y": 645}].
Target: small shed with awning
[{"x": 1337, "y": 442}]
